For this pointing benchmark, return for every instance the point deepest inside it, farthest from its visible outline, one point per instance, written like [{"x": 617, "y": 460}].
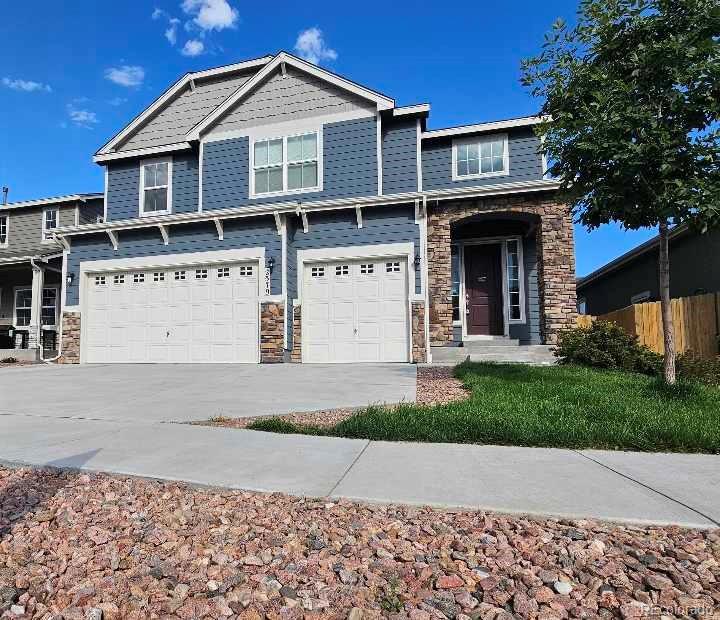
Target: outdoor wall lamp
[
  {"x": 417, "y": 261},
  {"x": 271, "y": 263},
  {"x": 69, "y": 278}
]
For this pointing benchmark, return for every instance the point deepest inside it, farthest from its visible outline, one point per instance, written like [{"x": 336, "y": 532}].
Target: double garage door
[
  {"x": 355, "y": 311},
  {"x": 182, "y": 314}
]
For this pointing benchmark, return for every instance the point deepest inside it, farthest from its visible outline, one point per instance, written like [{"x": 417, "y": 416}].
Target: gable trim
[
  {"x": 381, "y": 101},
  {"x": 170, "y": 94},
  {"x": 151, "y": 150}
]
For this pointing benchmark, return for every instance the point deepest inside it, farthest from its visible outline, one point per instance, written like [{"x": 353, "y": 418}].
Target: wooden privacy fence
[{"x": 696, "y": 320}]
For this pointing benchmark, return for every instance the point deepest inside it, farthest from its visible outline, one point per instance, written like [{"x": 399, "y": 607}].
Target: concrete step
[
  {"x": 472, "y": 345},
  {"x": 540, "y": 355}
]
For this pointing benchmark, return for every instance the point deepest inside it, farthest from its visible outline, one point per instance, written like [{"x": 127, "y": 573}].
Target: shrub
[
  {"x": 606, "y": 345},
  {"x": 707, "y": 371}
]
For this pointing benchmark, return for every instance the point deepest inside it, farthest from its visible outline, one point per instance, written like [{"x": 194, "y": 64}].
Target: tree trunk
[{"x": 666, "y": 310}]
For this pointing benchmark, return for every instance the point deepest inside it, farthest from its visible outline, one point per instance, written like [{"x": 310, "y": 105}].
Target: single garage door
[
  {"x": 198, "y": 314},
  {"x": 355, "y": 311}
]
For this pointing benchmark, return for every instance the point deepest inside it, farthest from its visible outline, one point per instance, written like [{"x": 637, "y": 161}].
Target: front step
[
  {"x": 495, "y": 341},
  {"x": 537, "y": 355}
]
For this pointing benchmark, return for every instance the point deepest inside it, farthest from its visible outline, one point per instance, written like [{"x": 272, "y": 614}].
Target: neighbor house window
[
  {"x": 155, "y": 187},
  {"x": 286, "y": 165},
  {"x": 50, "y": 222},
  {"x": 3, "y": 229},
  {"x": 49, "y": 306},
  {"x": 23, "y": 305},
  {"x": 479, "y": 157},
  {"x": 513, "y": 280}
]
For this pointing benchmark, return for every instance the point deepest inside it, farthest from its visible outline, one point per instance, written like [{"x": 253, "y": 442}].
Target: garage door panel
[
  {"x": 194, "y": 314},
  {"x": 352, "y": 308}
]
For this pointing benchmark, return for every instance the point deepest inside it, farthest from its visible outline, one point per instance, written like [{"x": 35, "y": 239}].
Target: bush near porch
[{"x": 559, "y": 407}]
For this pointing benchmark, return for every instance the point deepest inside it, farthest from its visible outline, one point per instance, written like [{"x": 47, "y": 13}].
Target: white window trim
[
  {"x": 156, "y": 160},
  {"x": 45, "y": 211},
  {"x": 507, "y": 321},
  {"x": 477, "y": 140},
  {"x": 318, "y": 131},
  {"x": 6, "y": 216},
  {"x": 57, "y": 308},
  {"x": 15, "y": 308}
]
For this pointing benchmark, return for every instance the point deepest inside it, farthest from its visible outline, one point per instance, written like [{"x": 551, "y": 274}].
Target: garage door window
[
  {"x": 119, "y": 278},
  {"x": 392, "y": 267},
  {"x": 201, "y": 274},
  {"x": 159, "y": 276},
  {"x": 367, "y": 269},
  {"x": 223, "y": 272},
  {"x": 179, "y": 275},
  {"x": 342, "y": 270},
  {"x": 138, "y": 278}
]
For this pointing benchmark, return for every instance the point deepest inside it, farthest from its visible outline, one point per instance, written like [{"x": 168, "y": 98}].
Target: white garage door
[
  {"x": 184, "y": 314},
  {"x": 355, "y": 311}
]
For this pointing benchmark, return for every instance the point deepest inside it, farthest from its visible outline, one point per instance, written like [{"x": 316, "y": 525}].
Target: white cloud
[
  {"x": 193, "y": 48},
  {"x": 116, "y": 101},
  {"x": 82, "y": 118},
  {"x": 27, "y": 86},
  {"x": 158, "y": 13},
  {"x": 211, "y": 14},
  {"x": 171, "y": 31},
  {"x": 311, "y": 46},
  {"x": 126, "y": 75}
]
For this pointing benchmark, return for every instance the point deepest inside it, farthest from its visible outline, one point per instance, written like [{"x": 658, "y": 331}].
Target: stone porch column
[
  {"x": 439, "y": 277},
  {"x": 556, "y": 270}
]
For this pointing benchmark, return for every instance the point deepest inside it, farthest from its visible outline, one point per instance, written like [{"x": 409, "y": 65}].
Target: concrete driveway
[{"x": 184, "y": 392}]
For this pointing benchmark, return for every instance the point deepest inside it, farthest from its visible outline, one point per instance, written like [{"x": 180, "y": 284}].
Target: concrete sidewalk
[{"x": 642, "y": 488}]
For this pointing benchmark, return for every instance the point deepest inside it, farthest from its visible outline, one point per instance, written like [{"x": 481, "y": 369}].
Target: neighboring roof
[
  {"x": 282, "y": 59},
  {"x": 41, "y": 202},
  {"x": 173, "y": 92},
  {"x": 510, "y": 123},
  {"x": 641, "y": 250}
]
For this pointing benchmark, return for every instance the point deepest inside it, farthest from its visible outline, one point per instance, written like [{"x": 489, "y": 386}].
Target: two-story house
[
  {"x": 31, "y": 264},
  {"x": 272, "y": 210}
]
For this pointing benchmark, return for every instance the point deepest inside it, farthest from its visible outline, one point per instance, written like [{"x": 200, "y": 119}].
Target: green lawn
[{"x": 558, "y": 406}]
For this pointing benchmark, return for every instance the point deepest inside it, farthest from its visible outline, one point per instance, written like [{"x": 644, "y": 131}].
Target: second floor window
[
  {"x": 155, "y": 194},
  {"x": 479, "y": 157},
  {"x": 288, "y": 164},
  {"x": 50, "y": 222},
  {"x": 3, "y": 229}
]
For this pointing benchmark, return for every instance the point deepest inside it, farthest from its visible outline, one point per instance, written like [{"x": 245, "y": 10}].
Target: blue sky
[{"x": 78, "y": 71}]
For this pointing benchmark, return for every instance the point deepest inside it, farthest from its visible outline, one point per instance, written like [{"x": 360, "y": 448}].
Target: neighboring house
[
  {"x": 31, "y": 263},
  {"x": 272, "y": 210},
  {"x": 633, "y": 277}
]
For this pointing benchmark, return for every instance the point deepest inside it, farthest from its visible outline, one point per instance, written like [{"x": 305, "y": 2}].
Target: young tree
[{"x": 632, "y": 101}]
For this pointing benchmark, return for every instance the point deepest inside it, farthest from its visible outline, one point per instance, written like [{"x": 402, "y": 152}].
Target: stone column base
[
  {"x": 419, "y": 348},
  {"x": 296, "y": 355},
  {"x": 272, "y": 325},
  {"x": 70, "y": 342}
]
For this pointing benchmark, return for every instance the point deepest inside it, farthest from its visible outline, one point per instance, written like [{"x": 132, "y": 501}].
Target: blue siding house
[{"x": 273, "y": 211}]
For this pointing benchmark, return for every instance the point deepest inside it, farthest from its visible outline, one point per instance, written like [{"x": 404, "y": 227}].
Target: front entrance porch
[
  {"x": 500, "y": 272},
  {"x": 29, "y": 310}
]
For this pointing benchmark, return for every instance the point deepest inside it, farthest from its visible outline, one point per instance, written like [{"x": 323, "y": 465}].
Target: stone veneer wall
[
  {"x": 272, "y": 327},
  {"x": 296, "y": 355},
  {"x": 70, "y": 338},
  {"x": 556, "y": 260},
  {"x": 419, "y": 350}
]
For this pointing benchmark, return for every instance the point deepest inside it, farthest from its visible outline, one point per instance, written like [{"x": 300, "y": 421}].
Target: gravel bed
[
  {"x": 75, "y": 545},
  {"x": 435, "y": 386}
]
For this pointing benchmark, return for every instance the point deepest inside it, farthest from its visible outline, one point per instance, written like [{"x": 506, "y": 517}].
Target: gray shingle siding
[
  {"x": 124, "y": 187},
  {"x": 529, "y": 332},
  {"x": 525, "y": 162},
  {"x": 349, "y": 167},
  {"x": 200, "y": 237},
  {"x": 335, "y": 229},
  {"x": 399, "y": 157}
]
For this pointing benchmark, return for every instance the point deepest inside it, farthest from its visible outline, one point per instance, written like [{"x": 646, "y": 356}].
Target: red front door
[{"x": 483, "y": 290}]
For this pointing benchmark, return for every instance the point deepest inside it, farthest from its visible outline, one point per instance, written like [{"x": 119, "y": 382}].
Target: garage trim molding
[{"x": 167, "y": 261}]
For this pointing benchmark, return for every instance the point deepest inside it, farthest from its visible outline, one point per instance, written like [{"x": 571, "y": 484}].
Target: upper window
[
  {"x": 3, "y": 229},
  {"x": 155, "y": 187},
  {"x": 49, "y": 223},
  {"x": 480, "y": 157},
  {"x": 286, "y": 165}
]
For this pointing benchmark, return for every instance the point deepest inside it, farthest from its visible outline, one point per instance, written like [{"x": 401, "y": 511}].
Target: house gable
[{"x": 292, "y": 96}]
